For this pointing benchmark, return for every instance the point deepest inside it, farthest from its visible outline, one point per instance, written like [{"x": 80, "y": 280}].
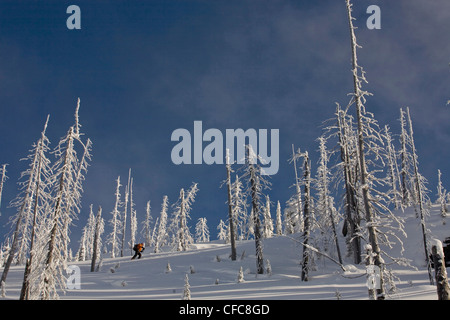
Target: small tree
[
  {"x": 187, "y": 288},
  {"x": 201, "y": 230},
  {"x": 223, "y": 233},
  {"x": 240, "y": 277}
]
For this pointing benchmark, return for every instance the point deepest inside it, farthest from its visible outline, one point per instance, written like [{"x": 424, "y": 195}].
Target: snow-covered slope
[{"x": 216, "y": 275}]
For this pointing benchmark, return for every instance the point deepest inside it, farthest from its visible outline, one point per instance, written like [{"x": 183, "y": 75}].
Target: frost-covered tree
[
  {"x": 97, "y": 243},
  {"x": 223, "y": 231},
  {"x": 187, "y": 288},
  {"x": 288, "y": 213},
  {"x": 181, "y": 215},
  {"x": 406, "y": 162},
  {"x": 87, "y": 238},
  {"x": 382, "y": 227},
  {"x": 268, "y": 222},
  {"x": 307, "y": 213},
  {"x": 442, "y": 195},
  {"x": 147, "y": 230},
  {"x": 161, "y": 236},
  {"x": 240, "y": 277},
  {"x": 255, "y": 186},
  {"x": 115, "y": 222},
  {"x": 363, "y": 132},
  {"x": 31, "y": 202},
  {"x": 201, "y": 230},
  {"x": 392, "y": 170},
  {"x": 38, "y": 227},
  {"x": 133, "y": 218},
  {"x": 278, "y": 221},
  {"x": 328, "y": 218},
  {"x": 69, "y": 173},
  {"x": 294, "y": 207},
  {"x": 125, "y": 213},
  {"x": 240, "y": 209},
  {"x": 231, "y": 209},
  {"x": 2, "y": 181},
  {"x": 349, "y": 167},
  {"x": 420, "y": 196}
]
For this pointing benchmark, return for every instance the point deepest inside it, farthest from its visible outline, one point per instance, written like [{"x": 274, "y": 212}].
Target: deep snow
[{"x": 147, "y": 278}]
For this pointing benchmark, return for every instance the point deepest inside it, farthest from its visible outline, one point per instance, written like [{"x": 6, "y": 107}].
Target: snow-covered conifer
[
  {"x": 161, "y": 236},
  {"x": 223, "y": 233},
  {"x": 255, "y": 185},
  {"x": 240, "y": 209},
  {"x": 278, "y": 221},
  {"x": 146, "y": 230},
  {"x": 31, "y": 202},
  {"x": 115, "y": 222},
  {"x": 181, "y": 215},
  {"x": 240, "y": 277},
  {"x": 125, "y": 213},
  {"x": 201, "y": 230},
  {"x": 393, "y": 173},
  {"x": 69, "y": 173},
  {"x": 268, "y": 222},
  {"x": 294, "y": 207},
  {"x": 327, "y": 213},
  {"x": 442, "y": 201},
  {"x": 168, "y": 268},
  {"x": 187, "y": 288}
]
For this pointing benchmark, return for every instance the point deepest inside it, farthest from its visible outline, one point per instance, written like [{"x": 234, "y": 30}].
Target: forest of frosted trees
[{"x": 367, "y": 174}]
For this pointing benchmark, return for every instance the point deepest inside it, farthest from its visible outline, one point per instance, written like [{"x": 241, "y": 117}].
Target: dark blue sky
[{"x": 145, "y": 68}]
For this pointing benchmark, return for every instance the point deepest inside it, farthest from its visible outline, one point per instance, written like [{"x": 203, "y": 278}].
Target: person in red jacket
[{"x": 138, "y": 248}]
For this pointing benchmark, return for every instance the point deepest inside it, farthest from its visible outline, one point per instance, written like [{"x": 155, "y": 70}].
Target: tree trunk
[
  {"x": 255, "y": 206},
  {"x": 230, "y": 210},
  {"x": 443, "y": 289},
  {"x": 307, "y": 216}
]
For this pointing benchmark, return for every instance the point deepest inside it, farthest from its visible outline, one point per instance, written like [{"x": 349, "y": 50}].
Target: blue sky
[{"x": 143, "y": 69}]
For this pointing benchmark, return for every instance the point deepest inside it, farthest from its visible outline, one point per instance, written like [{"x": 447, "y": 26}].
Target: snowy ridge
[{"x": 215, "y": 275}]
